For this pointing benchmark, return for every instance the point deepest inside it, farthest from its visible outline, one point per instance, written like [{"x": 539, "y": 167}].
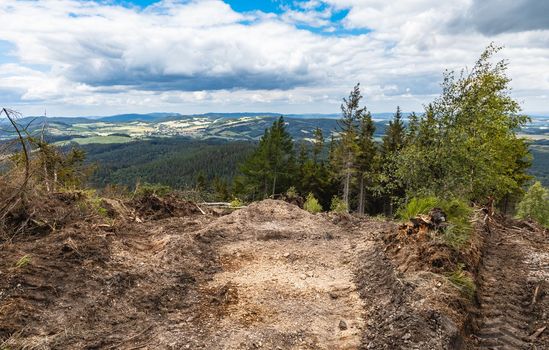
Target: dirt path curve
[
  {"x": 287, "y": 287},
  {"x": 505, "y": 293}
]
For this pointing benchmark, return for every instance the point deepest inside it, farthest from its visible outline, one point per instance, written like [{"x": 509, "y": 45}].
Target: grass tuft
[{"x": 463, "y": 281}]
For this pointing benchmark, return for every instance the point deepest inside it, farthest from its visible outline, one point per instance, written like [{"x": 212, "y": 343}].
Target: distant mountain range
[{"x": 123, "y": 128}]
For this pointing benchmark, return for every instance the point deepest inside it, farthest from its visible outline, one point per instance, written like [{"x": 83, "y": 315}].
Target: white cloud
[{"x": 202, "y": 55}]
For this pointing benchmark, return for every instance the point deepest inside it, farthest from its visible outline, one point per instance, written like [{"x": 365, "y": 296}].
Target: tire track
[{"x": 504, "y": 295}]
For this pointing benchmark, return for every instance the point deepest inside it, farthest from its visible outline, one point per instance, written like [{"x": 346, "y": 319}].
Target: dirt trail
[
  {"x": 290, "y": 281},
  {"x": 298, "y": 293},
  {"x": 513, "y": 268}
]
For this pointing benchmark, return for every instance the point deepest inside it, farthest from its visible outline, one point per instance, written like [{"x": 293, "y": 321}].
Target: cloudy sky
[{"x": 105, "y": 57}]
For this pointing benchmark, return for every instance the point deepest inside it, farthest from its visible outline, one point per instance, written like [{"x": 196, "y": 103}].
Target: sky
[{"x": 71, "y": 57}]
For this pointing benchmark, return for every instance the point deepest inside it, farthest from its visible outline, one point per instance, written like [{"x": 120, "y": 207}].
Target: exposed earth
[{"x": 269, "y": 276}]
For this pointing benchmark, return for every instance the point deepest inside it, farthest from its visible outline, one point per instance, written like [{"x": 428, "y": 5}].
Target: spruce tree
[
  {"x": 346, "y": 152},
  {"x": 270, "y": 168},
  {"x": 365, "y": 158}
]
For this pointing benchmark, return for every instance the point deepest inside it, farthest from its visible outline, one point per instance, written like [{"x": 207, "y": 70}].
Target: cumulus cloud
[{"x": 203, "y": 55}]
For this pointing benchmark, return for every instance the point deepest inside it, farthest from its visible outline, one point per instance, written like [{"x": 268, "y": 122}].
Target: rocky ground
[{"x": 269, "y": 276}]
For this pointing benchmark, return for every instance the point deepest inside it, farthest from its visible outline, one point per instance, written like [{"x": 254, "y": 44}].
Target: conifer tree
[
  {"x": 270, "y": 168},
  {"x": 366, "y": 155},
  {"x": 347, "y": 149},
  {"x": 393, "y": 142}
]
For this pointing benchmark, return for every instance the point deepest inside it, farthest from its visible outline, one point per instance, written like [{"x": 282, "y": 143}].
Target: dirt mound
[
  {"x": 45, "y": 213},
  {"x": 269, "y": 220},
  {"x": 415, "y": 253},
  {"x": 404, "y": 311},
  {"x": 152, "y": 207}
]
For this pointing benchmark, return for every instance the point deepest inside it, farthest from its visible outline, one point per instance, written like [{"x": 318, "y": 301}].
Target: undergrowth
[
  {"x": 312, "y": 205},
  {"x": 458, "y": 216},
  {"x": 417, "y": 206},
  {"x": 463, "y": 281},
  {"x": 338, "y": 205}
]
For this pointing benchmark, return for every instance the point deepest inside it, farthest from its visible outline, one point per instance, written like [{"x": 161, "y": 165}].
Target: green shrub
[
  {"x": 312, "y": 205},
  {"x": 236, "y": 203},
  {"x": 146, "y": 189},
  {"x": 535, "y": 204},
  {"x": 416, "y": 206},
  {"x": 463, "y": 281},
  {"x": 338, "y": 205},
  {"x": 291, "y": 193},
  {"x": 458, "y": 216}
]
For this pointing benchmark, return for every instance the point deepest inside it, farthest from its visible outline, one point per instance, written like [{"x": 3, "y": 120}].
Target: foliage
[
  {"x": 146, "y": 189},
  {"x": 236, "y": 203},
  {"x": 463, "y": 281},
  {"x": 269, "y": 168},
  {"x": 23, "y": 261},
  {"x": 176, "y": 162},
  {"x": 535, "y": 204},
  {"x": 346, "y": 149},
  {"x": 291, "y": 192},
  {"x": 458, "y": 216},
  {"x": 465, "y": 144},
  {"x": 338, "y": 205},
  {"x": 312, "y": 205},
  {"x": 416, "y": 206}
]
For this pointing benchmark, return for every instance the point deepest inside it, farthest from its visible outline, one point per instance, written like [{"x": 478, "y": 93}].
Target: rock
[
  {"x": 342, "y": 325},
  {"x": 302, "y": 276},
  {"x": 406, "y": 336},
  {"x": 286, "y": 254}
]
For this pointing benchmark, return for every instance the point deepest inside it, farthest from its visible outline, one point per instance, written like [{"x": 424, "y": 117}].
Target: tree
[
  {"x": 318, "y": 144},
  {"x": 467, "y": 144},
  {"x": 271, "y": 166},
  {"x": 535, "y": 204},
  {"x": 366, "y": 156},
  {"x": 393, "y": 142},
  {"x": 346, "y": 151}
]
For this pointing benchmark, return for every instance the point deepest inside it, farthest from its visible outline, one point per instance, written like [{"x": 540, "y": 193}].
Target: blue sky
[{"x": 77, "y": 57}]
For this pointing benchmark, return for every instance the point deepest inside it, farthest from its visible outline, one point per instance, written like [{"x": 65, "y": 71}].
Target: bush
[
  {"x": 458, "y": 216},
  {"x": 146, "y": 189},
  {"x": 236, "y": 203},
  {"x": 417, "y": 206},
  {"x": 312, "y": 205},
  {"x": 291, "y": 193},
  {"x": 535, "y": 204},
  {"x": 458, "y": 213},
  {"x": 338, "y": 205}
]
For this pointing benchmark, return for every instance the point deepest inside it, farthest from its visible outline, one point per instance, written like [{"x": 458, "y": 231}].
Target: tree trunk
[
  {"x": 274, "y": 184},
  {"x": 346, "y": 186},
  {"x": 361, "y": 196}
]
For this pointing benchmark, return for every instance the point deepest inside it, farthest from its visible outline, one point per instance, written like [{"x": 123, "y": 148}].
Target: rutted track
[{"x": 505, "y": 315}]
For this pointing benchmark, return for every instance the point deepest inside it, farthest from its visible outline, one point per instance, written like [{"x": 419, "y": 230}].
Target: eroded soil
[{"x": 269, "y": 276}]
